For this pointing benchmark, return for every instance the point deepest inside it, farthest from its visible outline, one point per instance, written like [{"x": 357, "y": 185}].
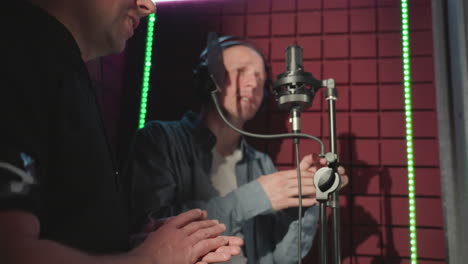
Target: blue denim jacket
[{"x": 170, "y": 166}]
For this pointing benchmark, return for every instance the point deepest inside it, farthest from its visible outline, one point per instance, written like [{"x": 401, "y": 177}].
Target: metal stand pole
[
  {"x": 327, "y": 184},
  {"x": 331, "y": 96},
  {"x": 323, "y": 232}
]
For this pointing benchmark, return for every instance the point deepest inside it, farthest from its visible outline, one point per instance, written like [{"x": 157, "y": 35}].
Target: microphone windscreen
[{"x": 293, "y": 58}]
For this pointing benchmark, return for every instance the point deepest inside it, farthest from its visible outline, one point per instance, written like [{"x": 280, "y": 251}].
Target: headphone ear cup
[{"x": 202, "y": 83}]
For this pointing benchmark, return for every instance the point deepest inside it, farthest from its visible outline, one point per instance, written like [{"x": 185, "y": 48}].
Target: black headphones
[{"x": 202, "y": 81}]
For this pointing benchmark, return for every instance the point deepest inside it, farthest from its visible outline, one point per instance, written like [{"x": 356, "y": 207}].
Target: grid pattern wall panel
[{"x": 358, "y": 43}]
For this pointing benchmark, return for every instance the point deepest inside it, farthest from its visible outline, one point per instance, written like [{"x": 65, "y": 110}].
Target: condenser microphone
[{"x": 295, "y": 87}]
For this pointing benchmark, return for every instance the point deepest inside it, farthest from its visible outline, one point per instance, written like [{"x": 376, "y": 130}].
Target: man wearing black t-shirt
[{"x": 61, "y": 198}]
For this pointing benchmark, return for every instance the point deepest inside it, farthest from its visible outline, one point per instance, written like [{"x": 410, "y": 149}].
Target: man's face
[
  {"x": 110, "y": 23},
  {"x": 243, "y": 93}
]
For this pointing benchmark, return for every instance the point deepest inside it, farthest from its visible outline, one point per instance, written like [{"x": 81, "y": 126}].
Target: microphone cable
[
  {"x": 299, "y": 182},
  {"x": 296, "y": 137}
]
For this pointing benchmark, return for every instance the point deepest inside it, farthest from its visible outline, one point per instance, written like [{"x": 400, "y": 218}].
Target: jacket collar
[{"x": 205, "y": 138}]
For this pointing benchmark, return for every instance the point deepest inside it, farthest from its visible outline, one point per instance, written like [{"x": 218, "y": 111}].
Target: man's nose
[
  {"x": 250, "y": 78},
  {"x": 146, "y": 7}
]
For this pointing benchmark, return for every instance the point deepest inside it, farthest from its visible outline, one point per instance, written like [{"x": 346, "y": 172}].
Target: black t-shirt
[{"x": 51, "y": 129}]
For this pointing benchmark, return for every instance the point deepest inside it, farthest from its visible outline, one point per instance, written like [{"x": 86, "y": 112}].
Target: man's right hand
[
  {"x": 282, "y": 188},
  {"x": 189, "y": 238}
]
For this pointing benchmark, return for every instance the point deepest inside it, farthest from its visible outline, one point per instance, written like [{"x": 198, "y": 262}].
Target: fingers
[
  {"x": 235, "y": 241},
  {"x": 306, "y": 202},
  {"x": 307, "y": 162},
  {"x": 288, "y": 174},
  {"x": 208, "y": 232},
  {"x": 306, "y": 190},
  {"x": 312, "y": 161},
  {"x": 231, "y": 250},
  {"x": 185, "y": 218},
  {"x": 224, "y": 253},
  {"x": 221, "y": 254},
  {"x": 341, "y": 170},
  {"x": 197, "y": 225},
  {"x": 215, "y": 257},
  {"x": 292, "y": 174},
  {"x": 344, "y": 180},
  {"x": 205, "y": 246},
  {"x": 323, "y": 162},
  {"x": 204, "y": 215},
  {"x": 294, "y": 183}
]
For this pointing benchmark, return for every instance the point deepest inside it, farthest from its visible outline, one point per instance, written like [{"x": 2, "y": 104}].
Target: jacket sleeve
[
  {"x": 20, "y": 105},
  {"x": 155, "y": 192},
  {"x": 286, "y": 226},
  {"x": 286, "y": 246}
]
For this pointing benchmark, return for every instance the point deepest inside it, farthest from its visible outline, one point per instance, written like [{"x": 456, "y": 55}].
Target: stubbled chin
[
  {"x": 247, "y": 113},
  {"x": 118, "y": 47}
]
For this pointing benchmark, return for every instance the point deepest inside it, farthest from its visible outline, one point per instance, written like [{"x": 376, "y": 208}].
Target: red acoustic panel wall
[
  {"x": 363, "y": 45},
  {"x": 358, "y": 43}
]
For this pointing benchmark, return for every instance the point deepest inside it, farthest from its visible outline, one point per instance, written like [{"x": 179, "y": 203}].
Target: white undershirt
[
  {"x": 223, "y": 171},
  {"x": 223, "y": 178}
]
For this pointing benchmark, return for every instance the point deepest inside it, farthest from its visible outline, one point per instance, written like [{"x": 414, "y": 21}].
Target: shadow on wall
[{"x": 360, "y": 231}]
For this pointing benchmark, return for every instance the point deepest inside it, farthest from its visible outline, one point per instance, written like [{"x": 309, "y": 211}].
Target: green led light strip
[
  {"x": 146, "y": 70},
  {"x": 409, "y": 130}
]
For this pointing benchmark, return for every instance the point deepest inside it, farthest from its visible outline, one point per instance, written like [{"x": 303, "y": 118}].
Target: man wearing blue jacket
[{"x": 200, "y": 162}]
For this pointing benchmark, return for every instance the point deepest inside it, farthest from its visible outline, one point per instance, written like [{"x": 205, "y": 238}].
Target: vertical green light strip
[
  {"x": 409, "y": 130},
  {"x": 147, "y": 70}
]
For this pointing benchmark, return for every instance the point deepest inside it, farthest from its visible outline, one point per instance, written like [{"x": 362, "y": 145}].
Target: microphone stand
[
  {"x": 327, "y": 183},
  {"x": 295, "y": 90},
  {"x": 331, "y": 96}
]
